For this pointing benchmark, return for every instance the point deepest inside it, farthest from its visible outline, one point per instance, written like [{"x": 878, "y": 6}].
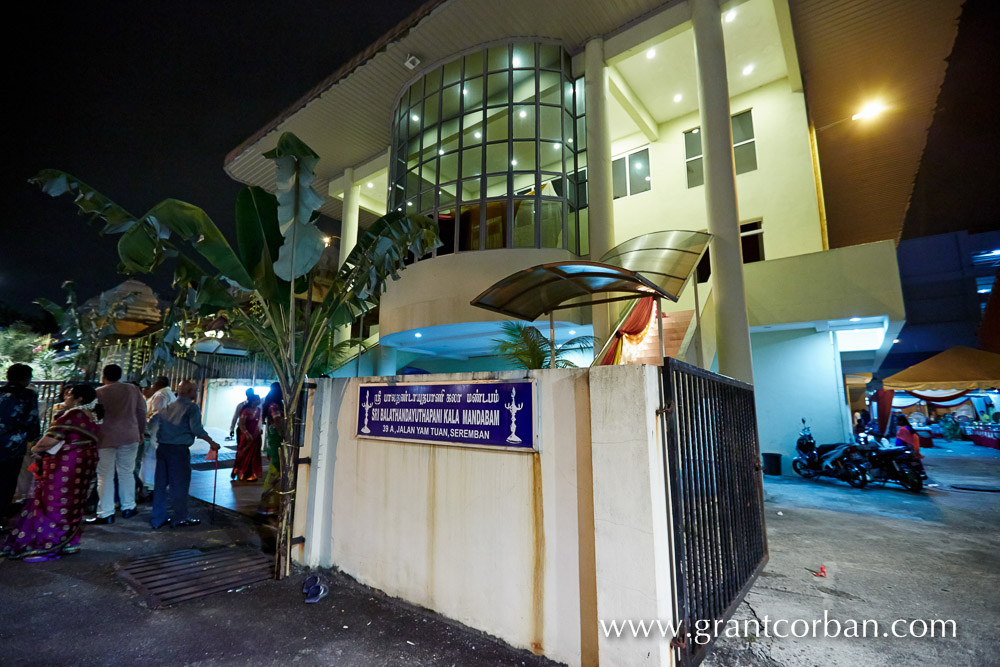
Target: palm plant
[
  {"x": 524, "y": 346},
  {"x": 255, "y": 288}
]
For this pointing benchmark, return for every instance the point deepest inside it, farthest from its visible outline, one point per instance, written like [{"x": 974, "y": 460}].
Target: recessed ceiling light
[
  {"x": 523, "y": 114},
  {"x": 855, "y": 319},
  {"x": 895, "y": 340},
  {"x": 370, "y": 184},
  {"x": 557, "y": 146},
  {"x": 650, "y": 54},
  {"x": 572, "y": 333},
  {"x": 409, "y": 203},
  {"x": 647, "y": 178},
  {"x": 696, "y": 130},
  {"x": 678, "y": 97},
  {"x": 638, "y": 166},
  {"x": 478, "y": 135},
  {"x": 513, "y": 163},
  {"x": 570, "y": 140},
  {"x": 440, "y": 151},
  {"x": 418, "y": 335},
  {"x": 748, "y": 70},
  {"x": 516, "y": 61},
  {"x": 730, "y": 16},
  {"x": 465, "y": 91},
  {"x": 869, "y": 110},
  {"x": 415, "y": 118}
]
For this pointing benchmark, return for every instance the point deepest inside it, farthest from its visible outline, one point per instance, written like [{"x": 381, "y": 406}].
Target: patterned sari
[{"x": 51, "y": 520}]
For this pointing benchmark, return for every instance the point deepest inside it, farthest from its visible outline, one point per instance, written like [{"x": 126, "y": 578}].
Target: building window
[
  {"x": 492, "y": 145},
  {"x": 744, "y": 149},
  {"x": 752, "y": 243},
  {"x": 630, "y": 174}
]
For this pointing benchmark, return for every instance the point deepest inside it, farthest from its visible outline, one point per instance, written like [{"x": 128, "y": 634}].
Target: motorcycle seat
[{"x": 823, "y": 449}]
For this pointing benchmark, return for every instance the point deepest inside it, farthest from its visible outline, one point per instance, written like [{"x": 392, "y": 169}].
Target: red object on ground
[{"x": 822, "y": 571}]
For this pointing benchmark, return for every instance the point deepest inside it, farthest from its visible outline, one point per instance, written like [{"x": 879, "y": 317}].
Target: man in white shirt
[
  {"x": 239, "y": 408},
  {"x": 161, "y": 398}
]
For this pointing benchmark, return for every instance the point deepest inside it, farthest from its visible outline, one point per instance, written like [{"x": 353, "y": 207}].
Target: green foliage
[
  {"x": 17, "y": 344},
  {"x": 524, "y": 346}
]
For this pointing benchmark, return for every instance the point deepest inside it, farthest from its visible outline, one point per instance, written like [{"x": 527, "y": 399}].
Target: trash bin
[{"x": 772, "y": 464}]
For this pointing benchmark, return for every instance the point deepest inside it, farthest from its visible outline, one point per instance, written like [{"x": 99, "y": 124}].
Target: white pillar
[
  {"x": 602, "y": 214},
  {"x": 348, "y": 232},
  {"x": 386, "y": 361},
  {"x": 731, "y": 324}
]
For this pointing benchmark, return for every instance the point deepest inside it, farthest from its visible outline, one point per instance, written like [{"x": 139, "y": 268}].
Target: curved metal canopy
[{"x": 656, "y": 264}]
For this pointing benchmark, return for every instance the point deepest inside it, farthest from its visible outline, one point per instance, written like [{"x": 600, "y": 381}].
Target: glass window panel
[
  {"x": 449, "y": 135},
  {"x": 524, "y": 156},
  {"x": 468, "y": 228},
  {"x": 450, "y": 100},
  {"x": 695, "y": 175},
  {"x": 496, "y": 186},
  {"x": 524, "y": 86},
  {"x": 524, "y": 55},
  {"x": 569, "y": 127},
  {"x": 427, "y": 201},
  {"x": 432, "y": 81},
  {"x": 474, "y": 64},
  {"x": 549, "y": 56},
  {"x": 470, "y": 189},
  {"x": 431, "y": 147},
  {"x": 446, "y": 229},
  {"x": 414, "y": 122},
  {"x": 472, "y": 128},
  {"x": 638, "y": 172},
  {"x": 416, "y": 93},
  {"x": 568, "y": 95},
  {"x": 549, "y": 86},
  {"x": 413, "y": 154},
  {"x": 449, "y": 167},
  {"x": 431, "y": 109},
  {"x": 551, "y": 223},
  {"x": 412, "y": 184},
  {"x": 499, "y": 57},
  {"x": 581, "y": 99},
  {"x": 742, "y": 127},
  {"x": 428, "y": 172},
  {"x": 753, "y": 248},
  {"x": 446, "y": 195},
  {"x": 567, "y": 150},
  {"x": 581, "y": 134},
  {"x": 572, "y": 241},
  {"x": 472, "y": 162},
  {"x": 692, "y": 143},
  {"x": 524, "y": 223},
  {"x": 550, "y": 156},
  {"x": 524, "y": 183},
  {"x": 583, "y": 215},
  {"x": 496, "y": 124},
  {"x": 496, "y": 157},
  {"x": 524, "y": 121},
  {"x": 618, "y": 178},
  {"x": 549, "y": 120},
  {"x": 452, "y": 72},
  {"x": 496, "y": 224},
  {"x": 472, "y": 93},
  {"x": 497, "y": 89},
  {"x": 581, "y": 163},
  {"x": 745, "y": 156}
]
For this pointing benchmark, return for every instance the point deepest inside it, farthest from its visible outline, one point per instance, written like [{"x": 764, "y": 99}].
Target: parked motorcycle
[
  {"x": 889, "y": 463},
  {"x": 841, "y": 461}
]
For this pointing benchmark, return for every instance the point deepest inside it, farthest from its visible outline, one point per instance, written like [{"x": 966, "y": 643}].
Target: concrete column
[
  {"x": 348, "y": 232},
  {"x": 386, "y": 361},
  {"x": 732, "y": 326},
  {"x": 602, "y": 214}
]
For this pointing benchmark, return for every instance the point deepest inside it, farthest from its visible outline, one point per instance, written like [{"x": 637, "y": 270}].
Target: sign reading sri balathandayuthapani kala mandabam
[{"x": 489, "y": 413}]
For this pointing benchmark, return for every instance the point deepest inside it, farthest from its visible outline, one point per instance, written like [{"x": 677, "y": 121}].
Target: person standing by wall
[
  {"x": 177, "y": 426},
  {"x": 239, "y": 410},
  {"x": 19, "y": 426},
  {"x": 160, "y": 397},
  {"x": 124, "y": 427}
]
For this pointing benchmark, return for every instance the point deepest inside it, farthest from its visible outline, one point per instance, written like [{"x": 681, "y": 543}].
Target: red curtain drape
[
  {"x": 936, "y": 399},
  {"x": 883, "y": 403},
  {"x": 633, "y": 324}
]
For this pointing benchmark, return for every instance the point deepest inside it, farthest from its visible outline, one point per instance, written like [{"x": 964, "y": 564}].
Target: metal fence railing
[
  {"x": 715, "y": 503},
  {"x": 49, "y": 393}
]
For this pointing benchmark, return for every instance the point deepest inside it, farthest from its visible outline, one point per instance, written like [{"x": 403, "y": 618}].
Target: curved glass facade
[{"x": 493, "y": 145}]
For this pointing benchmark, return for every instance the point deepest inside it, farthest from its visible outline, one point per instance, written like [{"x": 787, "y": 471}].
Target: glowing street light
[{"x": 869, "y": 110}]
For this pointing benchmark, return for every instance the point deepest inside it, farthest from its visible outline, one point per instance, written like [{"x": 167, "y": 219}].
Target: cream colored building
[{"x": 542, "y": 132}]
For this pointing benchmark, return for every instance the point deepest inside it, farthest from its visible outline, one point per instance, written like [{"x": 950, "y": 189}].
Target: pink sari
[{"x": 51, "y": 520}]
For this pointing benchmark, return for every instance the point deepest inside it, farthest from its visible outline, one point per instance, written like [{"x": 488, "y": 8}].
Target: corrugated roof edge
[{"x": 383, "y": 42}]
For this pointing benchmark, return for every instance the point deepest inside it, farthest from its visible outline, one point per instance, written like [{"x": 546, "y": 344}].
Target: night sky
[{"x": 144, "y": 100}]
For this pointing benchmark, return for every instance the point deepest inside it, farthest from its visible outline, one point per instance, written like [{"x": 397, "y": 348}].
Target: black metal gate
[{"x": 715, "y": 503}]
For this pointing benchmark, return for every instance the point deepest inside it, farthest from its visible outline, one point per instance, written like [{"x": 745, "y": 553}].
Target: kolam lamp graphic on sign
[
  {"x": 367, "y": 405},
  {"x": 513, "y": 407}
]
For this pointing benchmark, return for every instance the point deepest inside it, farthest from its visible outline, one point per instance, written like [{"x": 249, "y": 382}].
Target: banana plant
[
  {"x": 256, "y": 286},
  {"x": 524, "y": 346}
]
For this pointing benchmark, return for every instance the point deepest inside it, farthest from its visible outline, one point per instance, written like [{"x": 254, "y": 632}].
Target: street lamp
[{"x": 867, "y": 112}]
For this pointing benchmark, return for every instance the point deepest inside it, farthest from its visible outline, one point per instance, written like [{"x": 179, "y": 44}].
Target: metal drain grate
[{"x": 186, "y": 574}]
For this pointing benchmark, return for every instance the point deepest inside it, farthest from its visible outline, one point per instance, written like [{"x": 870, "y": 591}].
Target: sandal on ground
[
  {"x": 40, "y": 559},
  {"x": 310, "y": 581},
  {"x": 317, "y": 593}
]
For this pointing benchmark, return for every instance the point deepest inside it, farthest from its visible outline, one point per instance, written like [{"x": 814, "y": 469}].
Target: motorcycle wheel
[
  {"x": 911, "y": 481},
  {"x": 801, "y": 468},
  {"x": 856, "y": 477}
]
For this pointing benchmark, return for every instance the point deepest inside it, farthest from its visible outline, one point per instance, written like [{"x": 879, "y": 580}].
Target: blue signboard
[{"x": 494, "y": 414}]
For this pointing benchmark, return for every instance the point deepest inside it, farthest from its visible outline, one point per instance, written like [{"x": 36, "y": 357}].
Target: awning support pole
[
  {"x": 552, "y": 339},
  {"x": 659, "y": 331}
]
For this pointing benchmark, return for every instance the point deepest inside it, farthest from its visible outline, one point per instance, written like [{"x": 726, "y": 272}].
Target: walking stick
[{"x": 213, "y": 456}]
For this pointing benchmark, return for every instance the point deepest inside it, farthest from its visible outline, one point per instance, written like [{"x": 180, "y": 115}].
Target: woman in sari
[
  {"x": 274, "y": 416},
  {"x": 50, "y": 524},
  {"x": 248, "y": 465}
]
